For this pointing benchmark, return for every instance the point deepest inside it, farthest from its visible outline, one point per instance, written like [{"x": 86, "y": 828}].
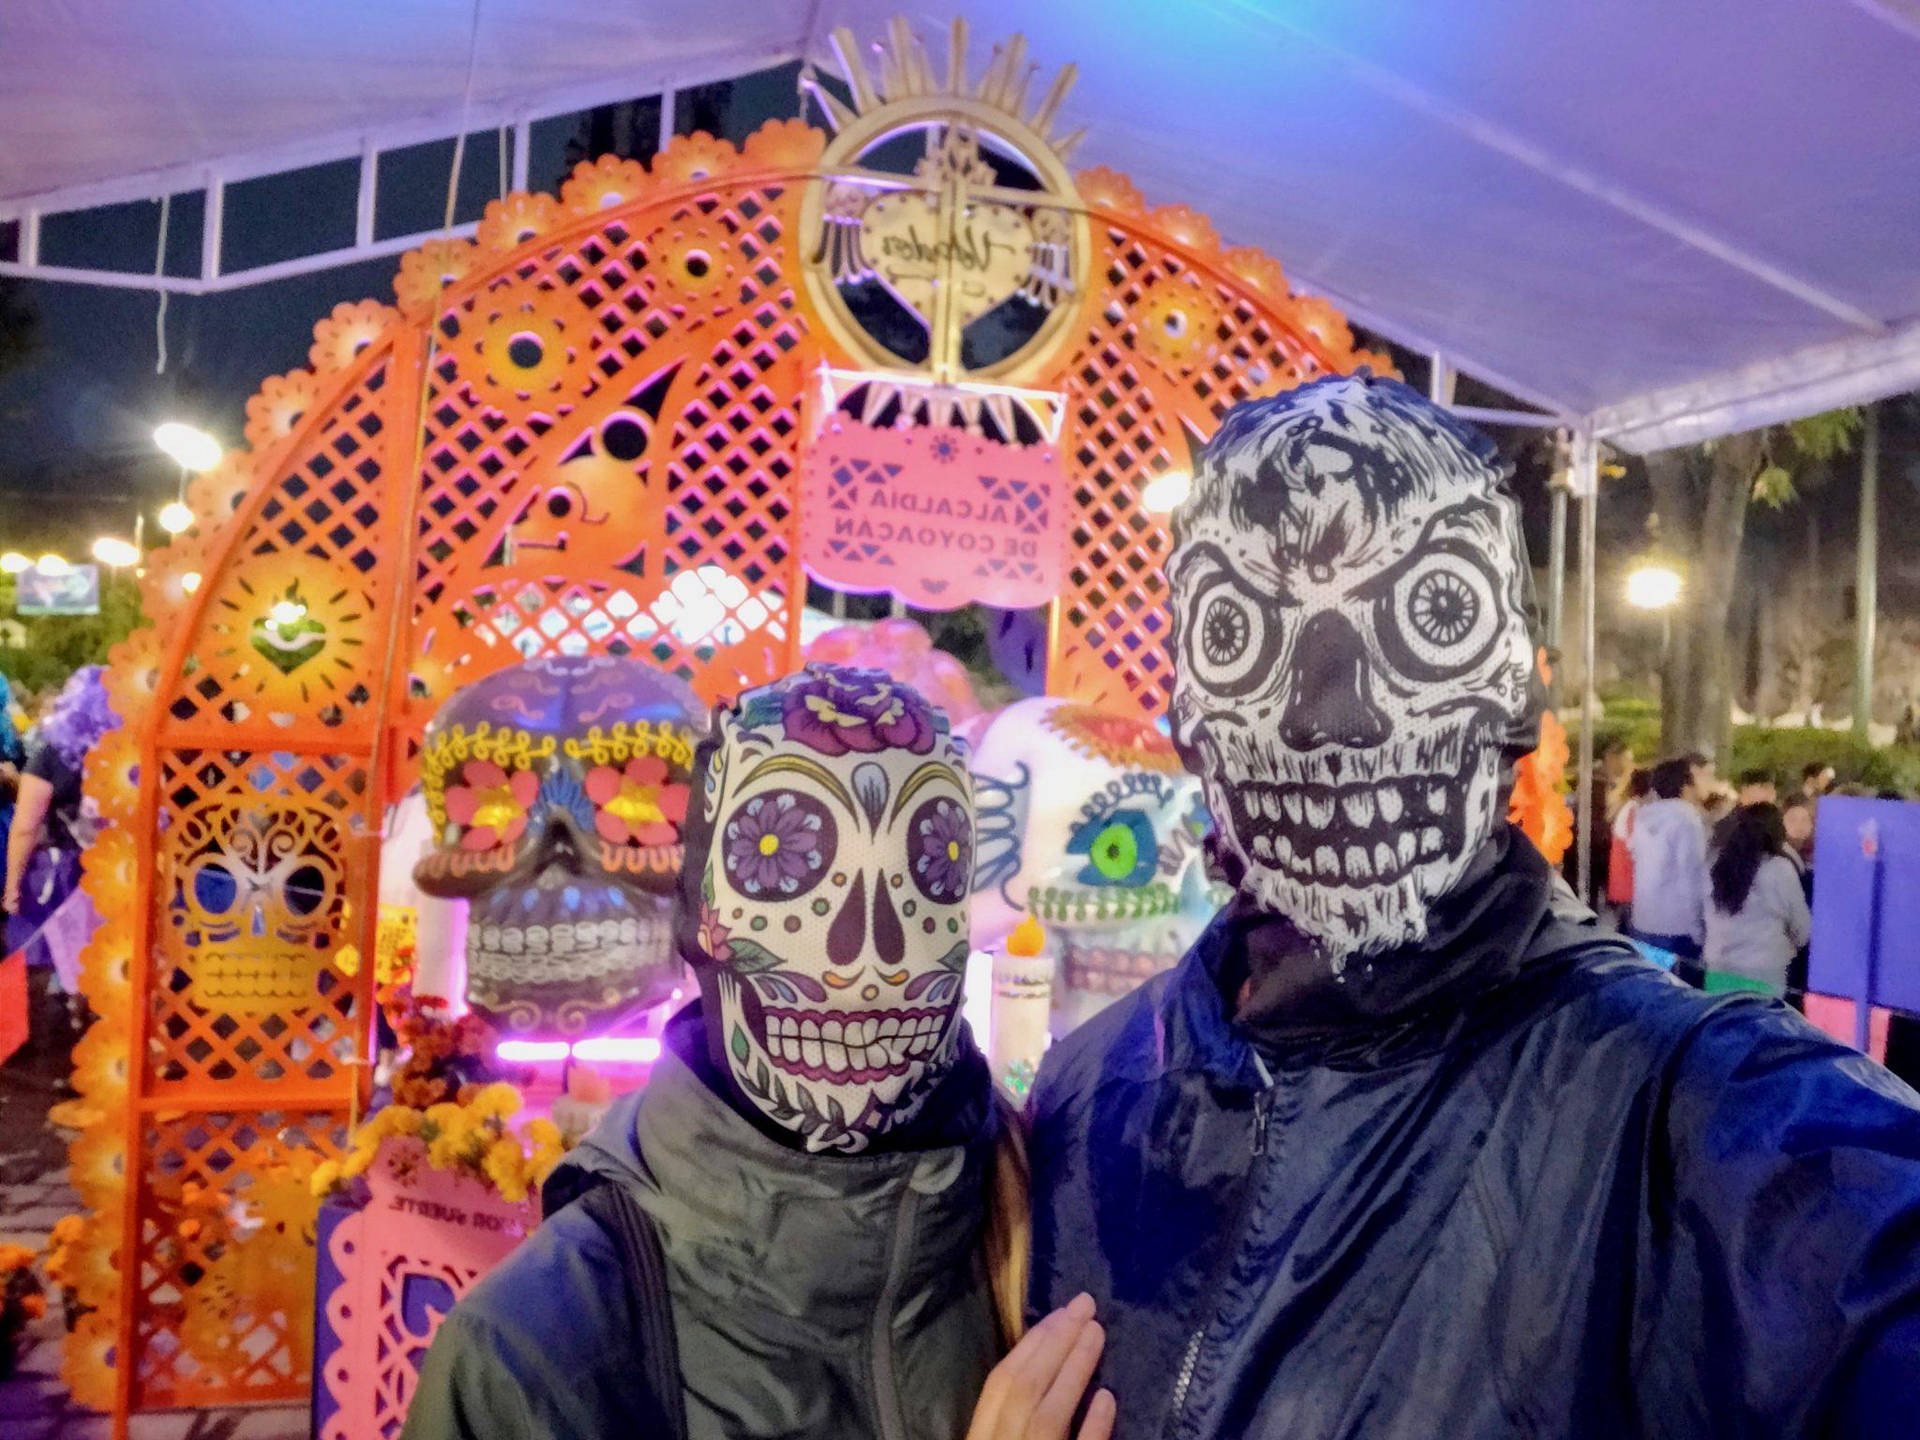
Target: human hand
[{"x": 1032, "y": 1394}]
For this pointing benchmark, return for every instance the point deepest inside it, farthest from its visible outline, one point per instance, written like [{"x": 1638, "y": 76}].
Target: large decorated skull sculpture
[
  {"x": 837, "y": 830},
  {"x": 557, "y": 789},
  {"x": 1354, "y": 668},
  {"x": 1089, "y": 823}
]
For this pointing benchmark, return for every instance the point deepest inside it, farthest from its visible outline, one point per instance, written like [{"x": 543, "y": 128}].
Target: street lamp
[
  {"x": 51, "y": 564},
  {"x": 176, "y": 517},
  {"x": 14, "y": 563},
  {"x": 188, "y": 446},
  {"x": 1166, "y": 491},
  {"x": 1652, "y": 585},
  {"x": 115, "y": 553}
]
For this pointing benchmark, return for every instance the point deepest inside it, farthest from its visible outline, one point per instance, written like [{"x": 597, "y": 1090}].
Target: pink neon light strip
[{"x": 607, "y": 1049}]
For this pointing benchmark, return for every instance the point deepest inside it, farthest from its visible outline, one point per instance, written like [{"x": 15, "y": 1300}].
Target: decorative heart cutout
[{"x": 991, "y": 252}]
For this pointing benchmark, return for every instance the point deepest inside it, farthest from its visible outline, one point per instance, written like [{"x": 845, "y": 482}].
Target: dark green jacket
[{"x": 811, "y": 1295}]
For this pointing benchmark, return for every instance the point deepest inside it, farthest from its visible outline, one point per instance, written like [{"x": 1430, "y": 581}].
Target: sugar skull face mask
[
  {"x": 838, "y": 825},
  {"x": 1354, "y": 668}
]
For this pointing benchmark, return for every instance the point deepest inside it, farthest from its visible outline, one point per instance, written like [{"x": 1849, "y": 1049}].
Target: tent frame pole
[{"x": 1585, "y": 482}]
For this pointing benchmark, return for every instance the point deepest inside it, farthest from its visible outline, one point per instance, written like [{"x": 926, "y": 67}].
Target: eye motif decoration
[
  {"x": 1441, "y": 615},
  {"x": 778, "y": 845},
  {"x": 940, "y": 842},
  {"x": 1120, "y": 848},
  {"x": 1229, "y": 643}
]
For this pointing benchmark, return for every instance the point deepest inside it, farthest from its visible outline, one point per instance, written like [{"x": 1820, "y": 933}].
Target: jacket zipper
[
  {"x": 1190, "y": 1360},
  {"x": 886, "y": 1394}
]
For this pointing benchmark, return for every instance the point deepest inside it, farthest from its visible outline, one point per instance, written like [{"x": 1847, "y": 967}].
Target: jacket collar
[
  {"x": 759, "y": 1223},
  {"x": 1510, "y": 912}
]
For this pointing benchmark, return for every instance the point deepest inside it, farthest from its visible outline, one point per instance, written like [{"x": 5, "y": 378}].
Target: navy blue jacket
[{"x": 1554, "y": 1194}]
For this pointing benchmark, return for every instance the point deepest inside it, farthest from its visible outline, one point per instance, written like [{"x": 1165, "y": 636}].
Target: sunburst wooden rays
[{"x": 906, "y": 72}]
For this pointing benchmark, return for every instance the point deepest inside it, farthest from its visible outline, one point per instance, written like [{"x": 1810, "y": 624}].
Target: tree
[{"x": 1702, "y": 497}]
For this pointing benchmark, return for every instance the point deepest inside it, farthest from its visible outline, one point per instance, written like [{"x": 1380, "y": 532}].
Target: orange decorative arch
[{"x": 579, "y": 433}]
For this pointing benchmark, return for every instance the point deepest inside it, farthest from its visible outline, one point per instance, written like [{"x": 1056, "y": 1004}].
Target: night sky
[{"x": 77, "y": 420}]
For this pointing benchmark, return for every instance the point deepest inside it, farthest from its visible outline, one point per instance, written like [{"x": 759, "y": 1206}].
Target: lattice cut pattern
[
  {"x": 1176, "y": 337},
  {"x": 226, "y": 1257}
]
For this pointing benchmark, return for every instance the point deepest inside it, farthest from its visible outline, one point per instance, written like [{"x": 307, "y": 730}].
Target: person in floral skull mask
[
  {"x": 806, "y": 1224},
  {"x": 837, "y": 822}
]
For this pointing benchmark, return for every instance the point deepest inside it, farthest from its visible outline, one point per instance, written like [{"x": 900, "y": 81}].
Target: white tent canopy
[{"x": 1661, "y": 221}]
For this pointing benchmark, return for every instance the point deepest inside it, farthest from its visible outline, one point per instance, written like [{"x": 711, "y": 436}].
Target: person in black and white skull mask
[{"x": 1408, "y": 1145}]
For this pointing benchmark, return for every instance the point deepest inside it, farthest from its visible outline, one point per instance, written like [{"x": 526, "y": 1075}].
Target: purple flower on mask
[
  {"x": 778, "y": 844},
  {"x": 837, "y": 711},
  {"x": 941, "y": 844}
]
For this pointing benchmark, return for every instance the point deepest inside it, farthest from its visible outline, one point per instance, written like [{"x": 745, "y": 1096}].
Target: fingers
[
  {"x": 1052, "y": 1418},
  {"x": 1033, "y": 1392},
  {"x": 1100, "y": 1417}
]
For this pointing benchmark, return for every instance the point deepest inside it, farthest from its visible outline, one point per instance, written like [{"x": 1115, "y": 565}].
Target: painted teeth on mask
[
  {"x": 1362, "y": 834},
  {"x": 853, "y": 1048}
]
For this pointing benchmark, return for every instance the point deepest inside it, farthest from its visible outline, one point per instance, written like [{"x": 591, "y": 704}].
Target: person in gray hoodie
[
  {"x": 1669, "y": 848},
  {"x": 811, "y": 1221},
  {"x": 1757, "y": 916}
]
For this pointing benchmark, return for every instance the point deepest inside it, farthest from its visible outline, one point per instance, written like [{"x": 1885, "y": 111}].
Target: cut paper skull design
[
  {"x": 1089, "y": 823},
  {"x": 557, "y": 789},
  {"x": 838, "y": 826},
  {"x": 1354, "y": 667}
]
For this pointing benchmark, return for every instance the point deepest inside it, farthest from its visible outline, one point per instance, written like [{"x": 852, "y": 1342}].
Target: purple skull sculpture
[{"x": 557, "y": 789}]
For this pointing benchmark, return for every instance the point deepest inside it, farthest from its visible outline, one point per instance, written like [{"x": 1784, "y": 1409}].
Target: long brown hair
[{"x": 1008, "y": 1237}]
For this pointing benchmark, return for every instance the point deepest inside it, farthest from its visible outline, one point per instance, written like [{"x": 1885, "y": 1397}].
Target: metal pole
[
  {"x": 1866, "y": 583},
  {"x": 1586, "y": 484},
  {"x": 1557, "y": 568}
]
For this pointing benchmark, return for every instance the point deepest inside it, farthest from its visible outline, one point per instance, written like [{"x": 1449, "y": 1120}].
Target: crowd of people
[
  {"x": 43, "y": 830},
  {"x": 1716, "y": 880}
]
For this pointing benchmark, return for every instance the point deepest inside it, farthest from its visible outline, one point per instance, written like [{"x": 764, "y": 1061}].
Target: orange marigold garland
[{"x": 1539, "y": 803}]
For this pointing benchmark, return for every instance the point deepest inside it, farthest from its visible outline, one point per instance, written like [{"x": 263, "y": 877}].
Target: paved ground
[{"x": 34, "y": 1194}]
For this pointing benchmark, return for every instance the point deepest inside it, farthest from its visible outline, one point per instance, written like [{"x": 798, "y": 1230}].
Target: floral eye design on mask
[
  {"x": 833, "y": 934},
  {"x": 1354, "y": 665}
]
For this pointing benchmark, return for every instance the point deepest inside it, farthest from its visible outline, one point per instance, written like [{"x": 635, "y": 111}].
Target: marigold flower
[
  {"x": 497, "y": 1101},
  {"x": 326, "y": 1175},
  {"x": 35, "y": 1305}
]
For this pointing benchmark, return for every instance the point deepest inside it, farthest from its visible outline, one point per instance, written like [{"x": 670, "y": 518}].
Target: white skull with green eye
[{"x": 1088, "y": 822}]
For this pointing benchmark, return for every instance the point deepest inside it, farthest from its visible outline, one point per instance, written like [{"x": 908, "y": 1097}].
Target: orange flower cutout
[
  {"x": 426, "y": 273},
  {"x": 113, "y": 776},
  {"x": 283, "y": 402},
  {"x": 790, "y": 144},
  {"x": 603, "y": 184},
  {"x": 133, "y": 674},
  {"x": 510, "y": 223},
  {"x": 109, "y": 868},
  {"x": 106, "y": 969},
  {"x": 215, "y": 495},
  {"x": 1109, "y": 190},
  {"x": 97, "y": 1165},
  {"x": 1180, "y": 323},
  {"x": 693, "y": 260},
  {"x": 87, "y": 1365},
  {"x": 1186, "y": 227},
  {"x": 339, "y": 339},
  {"x": 689, "y": 159},
  {"x": 1321, "y": 323},
  {"x": 1258, "y": 270}
]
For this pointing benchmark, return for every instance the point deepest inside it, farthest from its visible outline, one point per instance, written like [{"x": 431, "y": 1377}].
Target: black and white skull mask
[{"x": 1353, "y": 659}]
